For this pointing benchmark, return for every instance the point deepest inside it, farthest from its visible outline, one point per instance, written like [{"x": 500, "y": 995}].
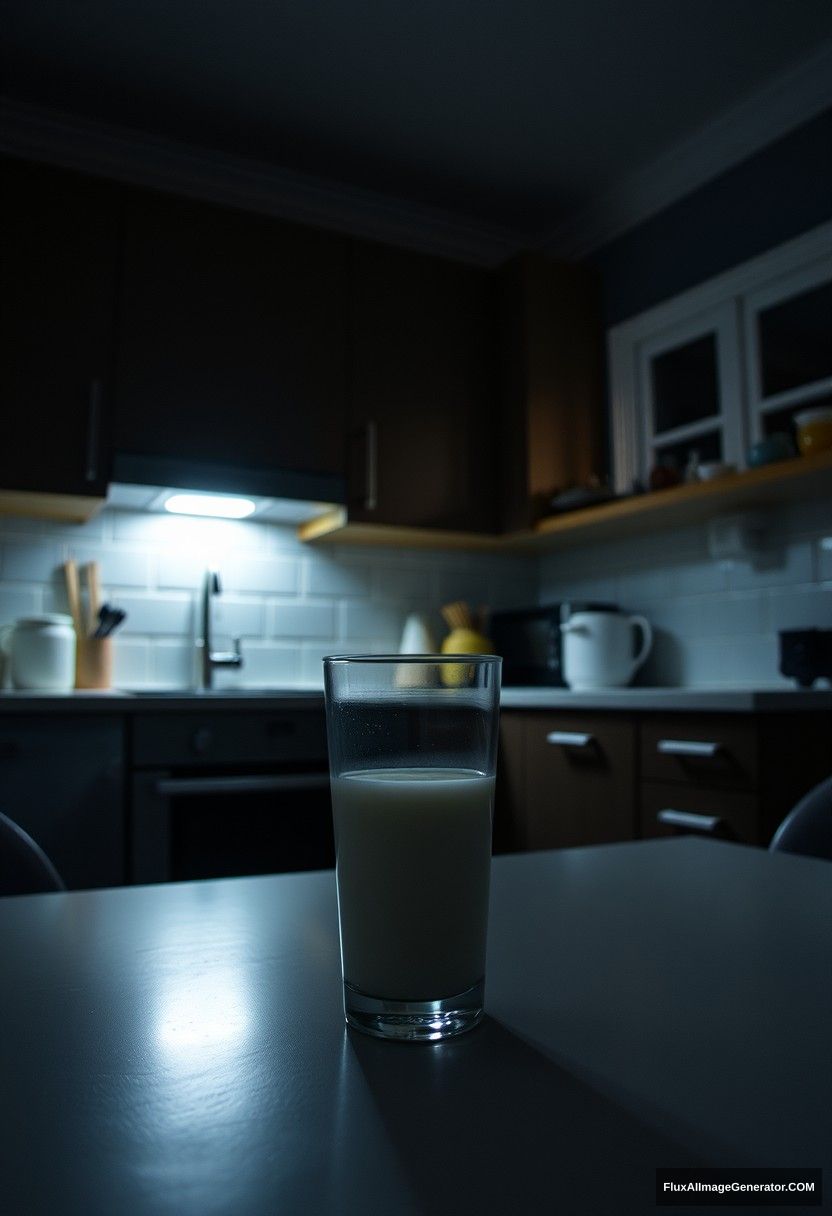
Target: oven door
[{"x": 219, "y": 825}]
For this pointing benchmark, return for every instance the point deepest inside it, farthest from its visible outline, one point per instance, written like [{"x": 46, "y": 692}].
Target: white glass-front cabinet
[
  {"x": 716, "y": 369},
  {"x": 788, "y": 342}
]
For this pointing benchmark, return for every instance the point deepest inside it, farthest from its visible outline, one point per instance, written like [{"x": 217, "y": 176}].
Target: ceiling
[{"x": 514, "y": 113}]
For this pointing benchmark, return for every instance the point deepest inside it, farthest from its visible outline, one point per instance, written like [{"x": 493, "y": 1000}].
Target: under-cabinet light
[{"x": 222, "y": 506}]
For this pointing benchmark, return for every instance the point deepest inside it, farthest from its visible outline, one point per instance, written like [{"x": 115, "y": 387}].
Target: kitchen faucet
[{"x": 214, "y": 658}]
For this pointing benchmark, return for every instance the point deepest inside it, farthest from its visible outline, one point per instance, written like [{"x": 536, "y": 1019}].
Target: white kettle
[{"x": 598, "y": 649}]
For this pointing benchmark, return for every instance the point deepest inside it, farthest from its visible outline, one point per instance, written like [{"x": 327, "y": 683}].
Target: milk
[{"x": 414, "y": 857}]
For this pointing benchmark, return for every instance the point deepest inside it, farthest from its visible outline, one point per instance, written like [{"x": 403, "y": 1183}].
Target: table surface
[{"x": 180, "y": 1049}]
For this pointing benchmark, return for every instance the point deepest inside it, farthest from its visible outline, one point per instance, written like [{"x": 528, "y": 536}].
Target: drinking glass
[{"x": 412, "y": 753}]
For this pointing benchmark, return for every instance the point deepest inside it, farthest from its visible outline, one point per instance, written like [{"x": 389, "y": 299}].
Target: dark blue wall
[{"x": 769, "y": 198}]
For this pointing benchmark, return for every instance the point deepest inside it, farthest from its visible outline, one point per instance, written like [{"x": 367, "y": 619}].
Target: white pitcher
[{"x": 598, "y": 649}]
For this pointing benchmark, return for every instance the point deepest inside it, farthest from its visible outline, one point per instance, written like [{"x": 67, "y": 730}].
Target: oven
[{"x": 228, "y": 794}]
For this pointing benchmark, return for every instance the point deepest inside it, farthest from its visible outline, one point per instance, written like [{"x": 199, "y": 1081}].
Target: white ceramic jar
[
  {"x": 41, "y": 653},
  {"x": 598, "y": 649}
]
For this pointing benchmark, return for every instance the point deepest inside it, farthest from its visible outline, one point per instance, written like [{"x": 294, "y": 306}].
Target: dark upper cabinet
[
  {"x": 231, "y": 356},
  {"x": 552, "y": 401},
  {"x": 423, "y": 391},
  {"x": 57, "y": 285}
]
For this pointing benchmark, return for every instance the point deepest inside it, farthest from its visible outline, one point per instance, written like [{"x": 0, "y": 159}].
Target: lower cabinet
[
  {"x": 578, "y": 780},
  {"x": 61, "y": 780},
  {"x": 572, "y": 778}
]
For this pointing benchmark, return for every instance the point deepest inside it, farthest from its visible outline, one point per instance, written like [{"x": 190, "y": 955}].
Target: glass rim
[{"x": 414, "y": 658}]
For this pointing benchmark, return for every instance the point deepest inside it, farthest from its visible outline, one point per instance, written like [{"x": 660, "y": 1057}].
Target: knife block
[{"x": 94, "y": 663}]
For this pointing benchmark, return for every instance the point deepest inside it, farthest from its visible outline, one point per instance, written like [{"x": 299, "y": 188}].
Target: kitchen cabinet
[
  {"x": 423, "y": 391},
  {"x": 61, "y": 781},
  {"x": 60, "y": 242},
  {"x": 552, "y": 392},
  {"x": 744, "y": 773},
  {"x": 578, "y": 779},
  {"x": 231, "y": 353}
]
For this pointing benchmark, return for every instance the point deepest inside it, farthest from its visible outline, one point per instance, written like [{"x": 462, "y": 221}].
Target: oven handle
[{"x": 199, "y": 787}]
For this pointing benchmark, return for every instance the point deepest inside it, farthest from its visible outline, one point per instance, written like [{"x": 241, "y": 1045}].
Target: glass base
[{"x": 414, "y": 1021}]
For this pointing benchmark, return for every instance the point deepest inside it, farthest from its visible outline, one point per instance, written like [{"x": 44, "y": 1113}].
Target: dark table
[{"x": 180, "y": 1049}]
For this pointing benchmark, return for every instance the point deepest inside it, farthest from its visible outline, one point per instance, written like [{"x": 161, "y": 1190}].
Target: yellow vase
[{"x": 462, "y": 641}]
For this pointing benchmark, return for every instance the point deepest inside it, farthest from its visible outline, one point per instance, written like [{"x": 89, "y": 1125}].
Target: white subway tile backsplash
[
  {"x": 473, "y": 586},
  {"x": 131, "y": 662},
  {"x": 394, "y": 581},
  {"x": 29, "y": 562},
  {"x": 779, "y": 566},
  {"x": 119, "y": 567},
  {"x": 328, "y": 576},
  {"x": 237, "y": 618},
  {"x": 18, "y": 601},
  {"x": 807, "y": 607},
  {"x": 312, "y": 655},
  {"x": 265, "y": 665},
  {"x": 157, "y": 614},
  {"x": 267, "y": 575},
  {"x": 173, "y": 664},
  {"x": 823, "y": 559},
  {"x": 302, "y": 620},
  {"x": 179, "y": 571},
  {"x": 382, "y": 620}
]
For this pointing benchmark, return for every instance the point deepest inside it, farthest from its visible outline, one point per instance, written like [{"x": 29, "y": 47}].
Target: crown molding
[
  {"x": 141, "y": 159},
  {"x": 784, "y": 103}
]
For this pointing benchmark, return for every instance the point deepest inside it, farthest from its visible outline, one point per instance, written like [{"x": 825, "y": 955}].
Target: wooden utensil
[
  {"x": 94, "y": 596},
  {"x": 73, "y": 594}
]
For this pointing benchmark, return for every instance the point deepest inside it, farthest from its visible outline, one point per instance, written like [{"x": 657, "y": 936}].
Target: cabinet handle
[
  {"x": 569, "y": 738},
  {"x": 371, "y": 483},
  {"x": 688, "y": 747},
  {"x": 710, "y": 824},
  {"x": 93, "y": 428}
]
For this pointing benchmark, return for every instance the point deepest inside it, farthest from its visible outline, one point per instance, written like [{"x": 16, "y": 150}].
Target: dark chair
[
  {"x": 808, "y": 828},
  {"x": 24, "y": 867}
]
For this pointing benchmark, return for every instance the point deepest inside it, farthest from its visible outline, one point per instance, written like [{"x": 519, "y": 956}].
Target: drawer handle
[
  {"x": 570, "y": 738},
  {"x": 712, "y": 825},
  {"x": 688, "y": 747}
]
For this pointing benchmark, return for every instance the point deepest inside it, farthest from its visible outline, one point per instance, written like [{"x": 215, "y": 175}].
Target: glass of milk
[{"x": 412, "y": 751}]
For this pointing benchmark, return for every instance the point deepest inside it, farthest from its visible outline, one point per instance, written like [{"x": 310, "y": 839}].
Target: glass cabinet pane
[
  {"x": 795, "y": 340},
  {"x": 685, "y": 384},
  {"x": 707, "y": 446}
]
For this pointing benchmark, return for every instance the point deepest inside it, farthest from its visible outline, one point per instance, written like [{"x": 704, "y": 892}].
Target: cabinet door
[
  {"x": 58, "y": 289},
  {"x": 61, "y": 781},
  {"x": 424, "y": 391},
  {"x": 580, "y": 779},
  {"x": 231, "y": 349}
]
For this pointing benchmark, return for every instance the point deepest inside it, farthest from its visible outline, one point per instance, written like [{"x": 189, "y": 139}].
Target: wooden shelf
[
  {"x": 62, "y": 508},
  {"x": 334, "y": 528},
  {"x": 788, "y": 481}
]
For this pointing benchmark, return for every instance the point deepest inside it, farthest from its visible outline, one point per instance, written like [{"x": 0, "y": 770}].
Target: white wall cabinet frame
[
  {"x": 795, "y": 266},
  {"x": 722, "y": 323},
  {"x": 812, "y": 274}
]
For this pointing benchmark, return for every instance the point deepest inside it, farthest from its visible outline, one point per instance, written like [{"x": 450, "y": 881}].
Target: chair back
[
  {"x": 808, "y": 828},
  {"x": 24, "y": 867}
]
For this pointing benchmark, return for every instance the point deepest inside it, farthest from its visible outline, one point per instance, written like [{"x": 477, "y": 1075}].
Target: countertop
[
  {"x": 181, "y": 1048},
  {"x": 681, "y": 700}
]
